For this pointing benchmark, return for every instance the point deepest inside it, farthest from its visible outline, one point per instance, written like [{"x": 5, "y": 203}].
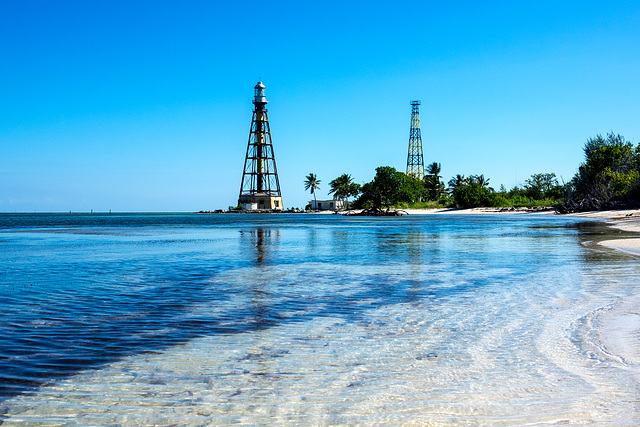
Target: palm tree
[
  {"x": 482, "y": 181},
  {"x": 343, "y": 186},
  {"x": 312, "y": 182},
  {"x": 457, "y": 181},
  {"x": 432, "y": 181},
  {"x": 434, "y": 169}
]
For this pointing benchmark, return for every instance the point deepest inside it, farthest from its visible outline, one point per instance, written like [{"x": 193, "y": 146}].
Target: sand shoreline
[{"x": 625, "y": 220}]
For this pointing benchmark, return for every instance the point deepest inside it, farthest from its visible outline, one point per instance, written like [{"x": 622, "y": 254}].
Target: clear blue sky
[{"x": 146, "y": 106}]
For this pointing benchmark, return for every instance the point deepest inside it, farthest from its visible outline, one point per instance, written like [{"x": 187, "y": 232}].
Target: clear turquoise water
[{"x": 179, "y": 319}]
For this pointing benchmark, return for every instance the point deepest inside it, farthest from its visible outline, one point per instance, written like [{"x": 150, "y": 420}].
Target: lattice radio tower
[
  {"x": 415, "y": 160},
  {"x": 260, "y": 187}
]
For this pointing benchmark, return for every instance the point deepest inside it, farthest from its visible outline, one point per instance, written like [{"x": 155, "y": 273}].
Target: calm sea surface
[{"x": 184, "y": 319}]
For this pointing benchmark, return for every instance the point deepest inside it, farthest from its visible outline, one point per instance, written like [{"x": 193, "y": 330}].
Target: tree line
[{"x": 608, "y": 178}]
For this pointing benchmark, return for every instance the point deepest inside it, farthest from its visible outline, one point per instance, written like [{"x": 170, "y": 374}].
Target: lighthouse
[{"x": 260, "y": 187}]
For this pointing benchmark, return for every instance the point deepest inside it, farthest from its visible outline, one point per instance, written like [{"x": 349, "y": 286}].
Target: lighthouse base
[{"x": 260, "y": 202}]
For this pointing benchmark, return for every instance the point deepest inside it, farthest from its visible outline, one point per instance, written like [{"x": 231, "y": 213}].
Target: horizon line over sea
[{"x": 192, "y": 319}]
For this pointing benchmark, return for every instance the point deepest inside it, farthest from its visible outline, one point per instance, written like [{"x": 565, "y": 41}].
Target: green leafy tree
[
  {"x": 312, "y": 183},
  {"x": 389, "y": 187},
  {"x": 471, "y": 192},
  {"x": 609, "y": 176},
  {"x": 516, "y": 197},
  {"x": 543, "y": 186}
]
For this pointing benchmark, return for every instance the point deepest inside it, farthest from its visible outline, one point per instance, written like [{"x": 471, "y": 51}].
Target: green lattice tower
[{"x": 415, "y": 159}]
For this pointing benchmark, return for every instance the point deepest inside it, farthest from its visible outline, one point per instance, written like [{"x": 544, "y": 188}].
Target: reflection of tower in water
[
  {"x": 260, "y": 285},
  {"x": 261, "y": 239},
  {"x": 260, "y": 245}
]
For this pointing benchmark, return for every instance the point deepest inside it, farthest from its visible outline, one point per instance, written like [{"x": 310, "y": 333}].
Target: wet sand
[{"x": 626, "y": 220}]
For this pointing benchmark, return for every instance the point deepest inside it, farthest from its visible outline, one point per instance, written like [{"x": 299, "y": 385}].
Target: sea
[{"x": 307, "y": 319}]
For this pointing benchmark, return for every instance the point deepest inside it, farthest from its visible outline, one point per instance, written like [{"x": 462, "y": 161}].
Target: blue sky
[{"x": 146, "y": 106}]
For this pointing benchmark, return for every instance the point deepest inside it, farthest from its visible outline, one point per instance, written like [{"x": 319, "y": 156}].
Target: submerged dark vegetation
[{"x": 609, "y": 178}]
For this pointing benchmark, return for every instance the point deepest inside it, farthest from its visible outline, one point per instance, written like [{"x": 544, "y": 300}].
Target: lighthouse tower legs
[{"x": 260, "y": 187}]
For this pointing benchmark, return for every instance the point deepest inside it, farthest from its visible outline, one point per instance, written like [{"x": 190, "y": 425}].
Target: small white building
[{"x": 327, "y": 205}]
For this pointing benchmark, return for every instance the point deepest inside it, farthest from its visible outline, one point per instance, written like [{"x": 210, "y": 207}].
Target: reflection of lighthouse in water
[
  {"x": 262, "y": 241},
  {"x": 260, "y": 187}
]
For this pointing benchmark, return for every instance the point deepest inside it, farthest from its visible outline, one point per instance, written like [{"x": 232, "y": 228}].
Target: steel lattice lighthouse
[
  {"x": 260, "y": 187},
  {"x": 415, "y": 160}
]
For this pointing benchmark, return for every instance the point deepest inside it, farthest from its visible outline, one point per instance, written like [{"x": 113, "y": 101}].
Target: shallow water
[{"x": 315, "y": 319}]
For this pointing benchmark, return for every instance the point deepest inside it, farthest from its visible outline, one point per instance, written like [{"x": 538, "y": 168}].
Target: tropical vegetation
[
  {"x": 343, "y": 187},
  {"x": 312, "y": 183},
  {"x": 433, "y": 184},
  {"x": 391, "y": 188},
  {"x": 471, "y": 192},
  {"x": 388, "y": 188},
  {"x": 608, "y": 178}
]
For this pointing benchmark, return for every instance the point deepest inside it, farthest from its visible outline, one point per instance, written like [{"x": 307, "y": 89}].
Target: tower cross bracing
[
  {"x": 415, "y": 159},
  {"x": 260, "y": 187}
]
